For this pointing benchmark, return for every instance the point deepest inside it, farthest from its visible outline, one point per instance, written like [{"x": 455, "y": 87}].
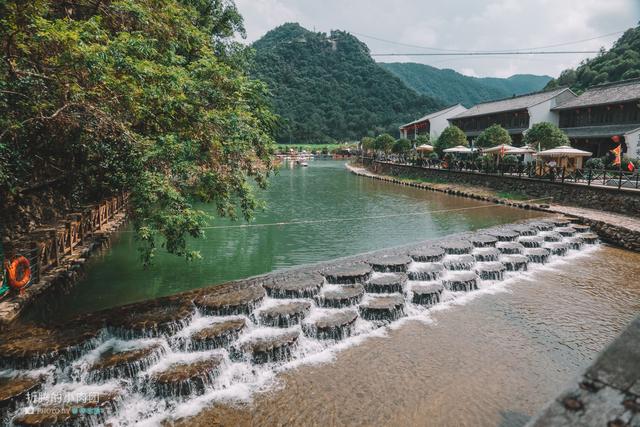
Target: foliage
[
  {"x": 546, "y": 135},
  {"x": 450, "y": 137},
  {"x": 492, "y": 136},
  {"x": 422, "y": 139},
  {"x": 140, "y": 95},
  {"x": 595, "y": 163},
  {"x": 402, "y": 146},
  {"x": 509, "y": 159},
  {"x": 384, "y": 142},
  {"x": 327, "y": 87},
  {"x": 368, "y": 143},
  {"x": 452, "y": 87},
  {"x": 620, "y": 62}
]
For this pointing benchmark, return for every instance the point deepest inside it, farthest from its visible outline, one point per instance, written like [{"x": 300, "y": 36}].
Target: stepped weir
[{"x": 146, "y": 360}]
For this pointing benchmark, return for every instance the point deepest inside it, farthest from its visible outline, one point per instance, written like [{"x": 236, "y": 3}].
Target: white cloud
[{"x": 460, "y": 25}]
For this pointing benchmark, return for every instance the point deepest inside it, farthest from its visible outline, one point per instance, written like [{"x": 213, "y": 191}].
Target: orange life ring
[{"x": 13, "y": 270}]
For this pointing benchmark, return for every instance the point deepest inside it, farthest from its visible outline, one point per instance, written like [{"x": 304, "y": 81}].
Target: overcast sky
[{"x": 479, "y": 25}]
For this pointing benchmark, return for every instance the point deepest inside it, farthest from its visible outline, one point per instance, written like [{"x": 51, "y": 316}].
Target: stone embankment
[
  {"x": 606, "y": 394},
  {"x": 614, "y": 228},
  {"x": 625, "y": 201},
  {"x": 68, "y": 269}
]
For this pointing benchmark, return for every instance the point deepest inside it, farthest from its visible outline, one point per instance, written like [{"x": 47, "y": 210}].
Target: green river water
[{"x": 321, "y": 193}]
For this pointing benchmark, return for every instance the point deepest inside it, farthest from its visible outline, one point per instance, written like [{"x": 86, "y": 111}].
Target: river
[
  {"x": 491, "y": 357},
  {"x": 371, "y": 215}
]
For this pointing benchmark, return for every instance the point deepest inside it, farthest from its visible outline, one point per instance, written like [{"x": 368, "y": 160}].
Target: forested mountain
[
  {"x": 453, "y": 87},
  {"x": 327, "y": 87},
  {"x": 621, "y": 62}
]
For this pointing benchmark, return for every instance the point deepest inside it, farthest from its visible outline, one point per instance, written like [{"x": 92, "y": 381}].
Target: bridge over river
[{"x": 481, "y": 326}]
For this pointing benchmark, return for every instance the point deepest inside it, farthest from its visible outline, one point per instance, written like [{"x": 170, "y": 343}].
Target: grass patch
[
  {"x": 512, "y": 195},
  {"x": 422, "y": 179}
]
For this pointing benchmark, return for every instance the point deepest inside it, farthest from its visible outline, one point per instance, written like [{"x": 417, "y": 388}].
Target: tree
[
  {"x": 384, "y": 142},
  {"x": 450, "y": 137},
  {"x": 492, "y": 136},
  {"x": 546, "y": 136},
  {"x": 423, "y": 139},
  {"x": 367, "y": 143},
  {"x": 402, "y": 146},
  {"x": 140, "y": 96}
]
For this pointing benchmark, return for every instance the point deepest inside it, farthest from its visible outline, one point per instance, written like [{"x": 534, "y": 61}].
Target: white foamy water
[{"x": 238, "y": 378}]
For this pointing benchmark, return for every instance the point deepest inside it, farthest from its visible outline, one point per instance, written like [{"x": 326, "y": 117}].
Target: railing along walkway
[
  {"x": 47, "y": 246},
  {"x": 590, "y": 177}
]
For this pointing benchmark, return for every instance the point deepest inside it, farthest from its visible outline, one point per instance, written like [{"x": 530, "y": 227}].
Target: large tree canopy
[
  {"x": 452, "y": 136},
  {"x": 546, "y": 136},
  {"x": 148, "y": 96},
  {"x": 492, "y": 136}
]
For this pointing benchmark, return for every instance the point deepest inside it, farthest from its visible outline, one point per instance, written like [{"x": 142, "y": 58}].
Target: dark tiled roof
[
  {"x": 599, "y": 131},
  {"x": 510, "y": 104},
  {"x": 627, "y": 90},
  {"x": 431, "y": 116}
]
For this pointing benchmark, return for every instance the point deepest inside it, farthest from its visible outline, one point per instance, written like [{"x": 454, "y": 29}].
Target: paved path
[{"x": 624, "y": 221}]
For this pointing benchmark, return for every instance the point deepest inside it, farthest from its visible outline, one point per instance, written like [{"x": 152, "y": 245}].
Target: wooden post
[
  {"x": 53, "y": 235},
  {"x": 67, "y": 228},
  {"x": 35, "y": 249}
]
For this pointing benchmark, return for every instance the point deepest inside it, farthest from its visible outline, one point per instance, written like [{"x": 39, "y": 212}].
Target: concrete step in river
[{"x": 157, "y": 357}]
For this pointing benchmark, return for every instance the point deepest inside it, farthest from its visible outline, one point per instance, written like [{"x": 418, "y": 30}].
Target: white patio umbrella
[
  {"x": 499, "y": 148},
  {"x": 564, "y": 151},
  {"x": 522, "y": 150},
  {"x": 458, "y": 149},
  {"x": 425, "y": 147}
]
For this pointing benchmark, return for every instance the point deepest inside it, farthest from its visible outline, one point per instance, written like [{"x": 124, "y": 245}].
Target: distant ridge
[
  {"x": 452, "y": 87},
  {"x": 326, "y": 88}
]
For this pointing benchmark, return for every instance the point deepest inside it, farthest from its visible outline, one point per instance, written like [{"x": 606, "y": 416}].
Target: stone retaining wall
[
  {"x": 610, "y": 231},
  {"x": 607, "y": 394},
  {"x": 61, "y": 277},
  {"x": 624, "y": 201}
]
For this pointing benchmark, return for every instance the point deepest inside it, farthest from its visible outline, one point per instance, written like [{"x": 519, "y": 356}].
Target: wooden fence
[{"x": 46, "y": 246}]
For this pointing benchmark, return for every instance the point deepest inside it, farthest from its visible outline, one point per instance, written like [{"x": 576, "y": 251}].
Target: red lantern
[{"x": 615, "y": 138}]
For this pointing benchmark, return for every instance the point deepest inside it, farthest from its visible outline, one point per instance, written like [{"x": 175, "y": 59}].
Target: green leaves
[
  {"x": 492, "y": 136},
  {"x": 546, "y": 135},
  {"x": 145, "y": 96},
  {"x": 452, "y": 136}
]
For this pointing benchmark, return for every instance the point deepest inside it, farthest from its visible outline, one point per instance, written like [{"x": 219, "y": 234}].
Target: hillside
[
  {"x": 327, "y": 88},
  {"x": 621, "y": 62},
  {"x": 453, "y": 87}
]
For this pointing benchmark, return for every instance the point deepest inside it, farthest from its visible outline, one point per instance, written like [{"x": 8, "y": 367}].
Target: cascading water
[{"x": 228, "y": 345}]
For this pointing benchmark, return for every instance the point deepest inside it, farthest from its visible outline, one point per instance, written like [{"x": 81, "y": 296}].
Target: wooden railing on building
[{"x": 45, "y": 247}]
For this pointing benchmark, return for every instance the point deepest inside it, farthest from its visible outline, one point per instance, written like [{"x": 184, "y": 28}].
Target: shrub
[{"x": 595, "y": 163}]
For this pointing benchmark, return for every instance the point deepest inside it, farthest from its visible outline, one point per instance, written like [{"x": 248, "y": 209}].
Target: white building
[
  {"x": 515, "y": 114},
  {"x": 432, "y": 124},
  {"x": 603, "y": 117}
]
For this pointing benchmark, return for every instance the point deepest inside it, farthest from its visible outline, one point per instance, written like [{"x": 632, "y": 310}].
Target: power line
[
  {"x": 463, "y": 50},
  {"x": 500, "y": 53}
]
